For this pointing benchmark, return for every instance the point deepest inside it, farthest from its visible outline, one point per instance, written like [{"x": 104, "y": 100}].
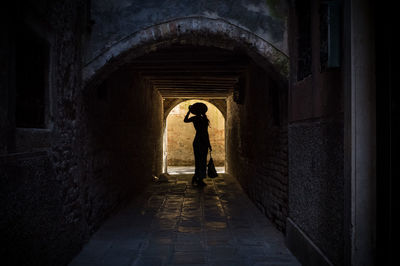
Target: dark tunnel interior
[{"x": 304, "y": 91}]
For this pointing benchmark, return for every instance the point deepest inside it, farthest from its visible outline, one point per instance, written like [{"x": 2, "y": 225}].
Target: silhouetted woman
[{"x": 201, "y": 142}]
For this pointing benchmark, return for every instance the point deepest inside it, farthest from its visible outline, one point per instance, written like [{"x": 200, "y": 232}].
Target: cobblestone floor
[{"x": 176, "y": 224}]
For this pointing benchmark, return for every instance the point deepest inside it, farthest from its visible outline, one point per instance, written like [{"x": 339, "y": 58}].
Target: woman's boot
[
  {"x": 194, "y": 180},
  {"x": 201, "y": 183}
]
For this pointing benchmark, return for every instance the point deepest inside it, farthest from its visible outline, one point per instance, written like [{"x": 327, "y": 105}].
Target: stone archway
[
  {"x": 243, "y": 62},
  {"x": 178, "y": 136},
  {"x": 198, "y": 31},
  {"x": 169, "y": 104}
]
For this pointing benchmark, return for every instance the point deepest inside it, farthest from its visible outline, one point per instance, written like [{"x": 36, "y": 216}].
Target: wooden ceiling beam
[
  {"x": 189, "y": 84},
  {"x": 192, "y": 77}
]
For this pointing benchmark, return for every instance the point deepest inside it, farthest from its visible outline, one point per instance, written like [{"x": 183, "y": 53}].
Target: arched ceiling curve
[{"x": 114, "y": 20}]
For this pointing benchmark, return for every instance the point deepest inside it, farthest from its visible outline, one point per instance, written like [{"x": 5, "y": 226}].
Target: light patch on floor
[{"x": 183, "y": 170}]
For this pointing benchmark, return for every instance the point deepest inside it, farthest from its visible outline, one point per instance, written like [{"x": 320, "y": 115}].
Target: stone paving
[{"x": 173, "y": 223}]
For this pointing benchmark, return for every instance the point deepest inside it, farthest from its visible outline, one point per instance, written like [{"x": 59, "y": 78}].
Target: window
[
  {"x": 32, "y": 66},
  {"x": 330, "y": 34},
  {"x": 303, "y": 10}
]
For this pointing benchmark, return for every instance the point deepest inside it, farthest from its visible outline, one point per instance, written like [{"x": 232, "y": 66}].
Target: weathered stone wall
[
  {"x": 42, "y": 220},
  {"x": 101, "y": 146},
  {"x": 257, "y": 145},
  {"x": 120, "y": 142},
  {"x": 316, "y": 187},
  {"x": 180, "y": 135},
  {"x": 33, "y": 222},
  {"x": 198, "y": 31},
  {"x": 116, "y": 20},
  {"x": 316, "y": 148}
]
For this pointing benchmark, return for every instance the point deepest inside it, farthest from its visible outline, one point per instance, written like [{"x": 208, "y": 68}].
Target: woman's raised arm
[{"x": 187, "y": 119}]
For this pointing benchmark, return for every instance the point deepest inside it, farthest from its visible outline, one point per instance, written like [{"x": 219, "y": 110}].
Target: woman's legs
[{"x": 200, "y": 157}]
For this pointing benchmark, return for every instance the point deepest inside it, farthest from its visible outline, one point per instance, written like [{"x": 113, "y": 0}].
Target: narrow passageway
[
  {"x": 96, "y": 108},
  {"x": 173, "y": 223}
]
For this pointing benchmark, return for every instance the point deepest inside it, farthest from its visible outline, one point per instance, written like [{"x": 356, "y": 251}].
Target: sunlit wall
[{"x": 180, "y": 135}]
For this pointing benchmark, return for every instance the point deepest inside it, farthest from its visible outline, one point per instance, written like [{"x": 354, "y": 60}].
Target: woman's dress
[{"x": 201, "y": 143}]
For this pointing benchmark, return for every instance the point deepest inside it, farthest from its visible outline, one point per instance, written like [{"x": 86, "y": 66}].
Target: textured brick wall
[
  {"x": 42, "y": 217},
  {"x": 180, "y": 135},
  {"x": 257, "y": 148},
  {"x": 104, "y": 145},
  {"x": 120, "y": 142}
]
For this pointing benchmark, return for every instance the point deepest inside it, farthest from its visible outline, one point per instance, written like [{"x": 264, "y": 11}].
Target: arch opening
[
  {"x": 178, "y": 137},
  {"x": 131, "y": 104}
]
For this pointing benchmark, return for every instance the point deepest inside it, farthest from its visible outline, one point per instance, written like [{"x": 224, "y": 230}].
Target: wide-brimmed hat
[{"x": 198, "y": 108}]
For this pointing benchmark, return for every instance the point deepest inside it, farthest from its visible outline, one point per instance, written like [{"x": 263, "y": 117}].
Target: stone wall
[
  {"x": 42, "y": 220},
  {"x": 316, "y": 186},
  {"x": 100, "y": 147},
  {"x": 180, "y": 135},
  {"x": 120, "y": 142},
  {"x": 116, "y": 20},
  {"x": 257, "y": 151},
  {"x": 33, "y": 223}
]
